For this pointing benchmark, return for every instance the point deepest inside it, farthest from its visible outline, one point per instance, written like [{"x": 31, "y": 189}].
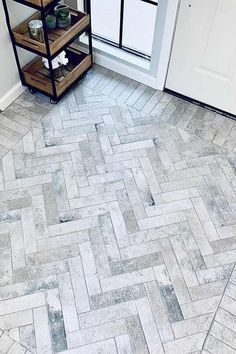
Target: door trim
[{"x": 165, "y": 50}]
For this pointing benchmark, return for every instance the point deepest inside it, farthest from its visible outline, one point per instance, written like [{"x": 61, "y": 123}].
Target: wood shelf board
[
  {"x": 57, "y": 38},
  {"x": 38, "y": 3},
  {"x": 37, "y": 76}
]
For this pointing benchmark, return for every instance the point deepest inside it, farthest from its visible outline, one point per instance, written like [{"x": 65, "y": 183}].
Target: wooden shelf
[
  {"x": 36, "y": 3},
  {"x": 37, "y": 76},
  {"x": 57, "y": 38}
]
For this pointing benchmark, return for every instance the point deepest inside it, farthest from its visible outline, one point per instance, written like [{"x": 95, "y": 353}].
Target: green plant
[
  {"x": 64, "y": 14},
  {"x": 50, "y": 18}
]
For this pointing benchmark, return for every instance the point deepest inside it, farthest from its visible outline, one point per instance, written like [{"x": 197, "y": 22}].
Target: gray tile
[
  {"x": 122, "y": 188},
  {"x": 56, "y": 321},
  {"x": 117, "y": 296},
  {"x": 172, "y": 304},
  {"x": 134, "y": 264},
  {"x": 137, "y": 338}
]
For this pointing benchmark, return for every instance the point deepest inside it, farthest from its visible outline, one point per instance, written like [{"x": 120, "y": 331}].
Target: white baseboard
[
  {"x": 124, "y": 69},
  {"x": 11, "y": 95}
]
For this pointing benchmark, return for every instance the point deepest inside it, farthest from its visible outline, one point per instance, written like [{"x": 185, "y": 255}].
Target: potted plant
[
  {"x": 62, "y": 12},
  {"x": 51, "y": 22}
]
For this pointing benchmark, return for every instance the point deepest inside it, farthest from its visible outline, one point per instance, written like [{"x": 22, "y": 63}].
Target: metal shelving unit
[{"x": 34, "y": 75}]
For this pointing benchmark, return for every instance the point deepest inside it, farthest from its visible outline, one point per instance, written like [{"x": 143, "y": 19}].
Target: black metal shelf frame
[
  {"x": 121, "y": 27},
  {"x": 43, "y": 10}
]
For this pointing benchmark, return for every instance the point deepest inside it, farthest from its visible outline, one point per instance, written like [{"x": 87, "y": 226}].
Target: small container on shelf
[
  {"x": 57, "y": 64},
  {"x": 63, "y": 15},
  {"x": 51, "y": 22},
  {"x": 36, "y": 30}
]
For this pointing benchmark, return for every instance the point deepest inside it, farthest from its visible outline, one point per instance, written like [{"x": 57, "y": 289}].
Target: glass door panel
[
  {"x": 139, "y": 24},
  {"x": 106, "y": 19}
]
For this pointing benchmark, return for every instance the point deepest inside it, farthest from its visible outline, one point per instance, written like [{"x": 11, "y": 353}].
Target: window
[{"x": 127, "y": 24}]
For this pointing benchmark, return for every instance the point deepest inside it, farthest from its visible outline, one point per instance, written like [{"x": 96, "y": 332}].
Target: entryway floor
[{"x": 117, "y": 223}]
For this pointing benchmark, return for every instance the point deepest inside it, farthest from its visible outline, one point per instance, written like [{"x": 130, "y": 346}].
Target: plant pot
[
  {"x": 62, "y": 13},
  {"x": 63, "y": 23},
  {"x": 51, "y": 22}
]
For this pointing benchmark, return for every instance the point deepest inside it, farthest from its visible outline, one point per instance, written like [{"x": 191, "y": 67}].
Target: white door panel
[{"x": 203, "y": 59}]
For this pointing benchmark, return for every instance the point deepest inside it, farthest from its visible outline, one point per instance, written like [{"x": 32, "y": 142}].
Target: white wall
[
  {"x": 7, "y": 59},
  {"x": 10, "y": 86}
]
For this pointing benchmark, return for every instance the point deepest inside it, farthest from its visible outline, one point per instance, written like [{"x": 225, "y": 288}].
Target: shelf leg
[
  {"x": 32, "y": 90},
  {"x": 54, "y": 90},
  {"x": 53, "y": 101}
]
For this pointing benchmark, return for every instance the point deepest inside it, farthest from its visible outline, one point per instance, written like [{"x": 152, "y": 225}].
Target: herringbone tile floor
[{"x": 117, "y": 223}]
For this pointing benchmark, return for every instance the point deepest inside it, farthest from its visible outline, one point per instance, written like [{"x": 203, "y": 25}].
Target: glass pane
[
  {"x": 139, "y": 24},
  {"x": 106, "y": 18}
]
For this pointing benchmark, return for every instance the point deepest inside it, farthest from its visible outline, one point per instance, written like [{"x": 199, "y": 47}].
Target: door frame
[{"x": 169, "y": 27}]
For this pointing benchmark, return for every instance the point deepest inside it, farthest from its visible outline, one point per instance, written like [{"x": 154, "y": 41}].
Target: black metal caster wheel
[
  {"x": 53, "y": 101},
  {"x": 32, "y": 91}
]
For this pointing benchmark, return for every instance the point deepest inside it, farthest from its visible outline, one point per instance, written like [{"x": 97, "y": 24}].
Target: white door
[{"x": 203, "y": 59}]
